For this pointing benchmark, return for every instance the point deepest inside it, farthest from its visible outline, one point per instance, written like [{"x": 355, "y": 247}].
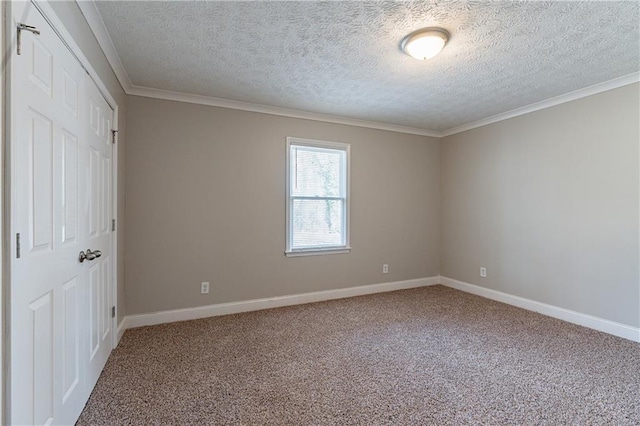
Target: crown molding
[
  {"x": 97, "y": 26},
  {"x": 99, "y": 29},
  {"x": 149, "y": 92},
  {"x": 94, "y": 19},
  {"x": 548, "y": 103}
]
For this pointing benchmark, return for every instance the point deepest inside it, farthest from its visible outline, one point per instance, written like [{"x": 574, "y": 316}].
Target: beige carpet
[{"x": 428, "y": 356}]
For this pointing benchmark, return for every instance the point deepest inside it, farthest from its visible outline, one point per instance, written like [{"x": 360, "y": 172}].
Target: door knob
[{"x": 89, "y": 255}]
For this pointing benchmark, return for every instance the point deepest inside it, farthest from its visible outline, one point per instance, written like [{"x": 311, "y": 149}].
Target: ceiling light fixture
[{"x": 425, "y": 43}]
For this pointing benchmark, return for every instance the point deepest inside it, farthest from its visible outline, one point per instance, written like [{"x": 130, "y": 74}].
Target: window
[{"x": 317, "y": 197}]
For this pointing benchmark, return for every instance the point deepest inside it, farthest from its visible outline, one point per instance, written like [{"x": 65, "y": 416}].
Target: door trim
[
  {"x": 50, "y": 15},
  {"x": 115, "y": 336},
  {"x": 4, "y": 137}
]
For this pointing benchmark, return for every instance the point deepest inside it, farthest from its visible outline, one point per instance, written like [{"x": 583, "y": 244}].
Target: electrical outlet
[
  {"x": 204, "y": 288},
  {"x": 483, "y": 272},
  {"x": 385, "y": 269}
]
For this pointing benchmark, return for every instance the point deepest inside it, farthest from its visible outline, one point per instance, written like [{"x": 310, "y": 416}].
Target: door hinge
[
  {"x": 114, "y": 134},
  {"x": 18, "y": 245},
  {"x": 113, "y": 225},
  {"x": 113, "y": 312},
  {"x": 24, "y": 27}
]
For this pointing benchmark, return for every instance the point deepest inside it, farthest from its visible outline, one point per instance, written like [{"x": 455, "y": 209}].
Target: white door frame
[
  {"x": 4, "y": 366},
  {"x": 5, "y": 208}
]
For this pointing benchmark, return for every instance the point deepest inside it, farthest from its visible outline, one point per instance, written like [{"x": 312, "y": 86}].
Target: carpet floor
[{"x": 426, "y": 356}]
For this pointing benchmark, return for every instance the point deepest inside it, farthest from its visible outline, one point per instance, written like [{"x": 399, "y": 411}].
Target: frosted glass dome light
[{"x": 425, "y": 43}]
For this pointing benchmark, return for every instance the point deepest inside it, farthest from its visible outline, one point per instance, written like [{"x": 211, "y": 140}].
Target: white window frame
[{"x": 346, "y": 248}]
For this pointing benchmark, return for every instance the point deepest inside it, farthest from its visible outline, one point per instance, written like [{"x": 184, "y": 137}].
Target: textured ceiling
[{"x": 343, "y": 58}]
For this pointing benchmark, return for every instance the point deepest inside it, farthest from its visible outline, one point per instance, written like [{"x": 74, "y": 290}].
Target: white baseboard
[
  {"x": 133, "y": 321},
  {"x": 589, "y": 321},
  {"x": 585, "y": 320},
  {"x": 122, "y": 327}
]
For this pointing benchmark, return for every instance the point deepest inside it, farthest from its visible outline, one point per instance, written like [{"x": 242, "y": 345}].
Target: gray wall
[
  {"x": 206, "y": 202},
  {"x": 548, "y": 202},
  {"x": 72, "y": 18}
]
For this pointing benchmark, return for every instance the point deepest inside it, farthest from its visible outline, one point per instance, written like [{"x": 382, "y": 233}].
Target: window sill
[{"x": 317, "y": 252}]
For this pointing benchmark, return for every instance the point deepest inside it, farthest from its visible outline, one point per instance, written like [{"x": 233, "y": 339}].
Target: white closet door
[
  {"x": 99, "y": 120},
  {"x": 59, "y": 306}
]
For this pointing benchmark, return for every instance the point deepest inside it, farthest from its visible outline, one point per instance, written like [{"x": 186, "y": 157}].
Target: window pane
[
  {"x": 315, "y": 172},
  {"x": 317, "y": 223}
]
